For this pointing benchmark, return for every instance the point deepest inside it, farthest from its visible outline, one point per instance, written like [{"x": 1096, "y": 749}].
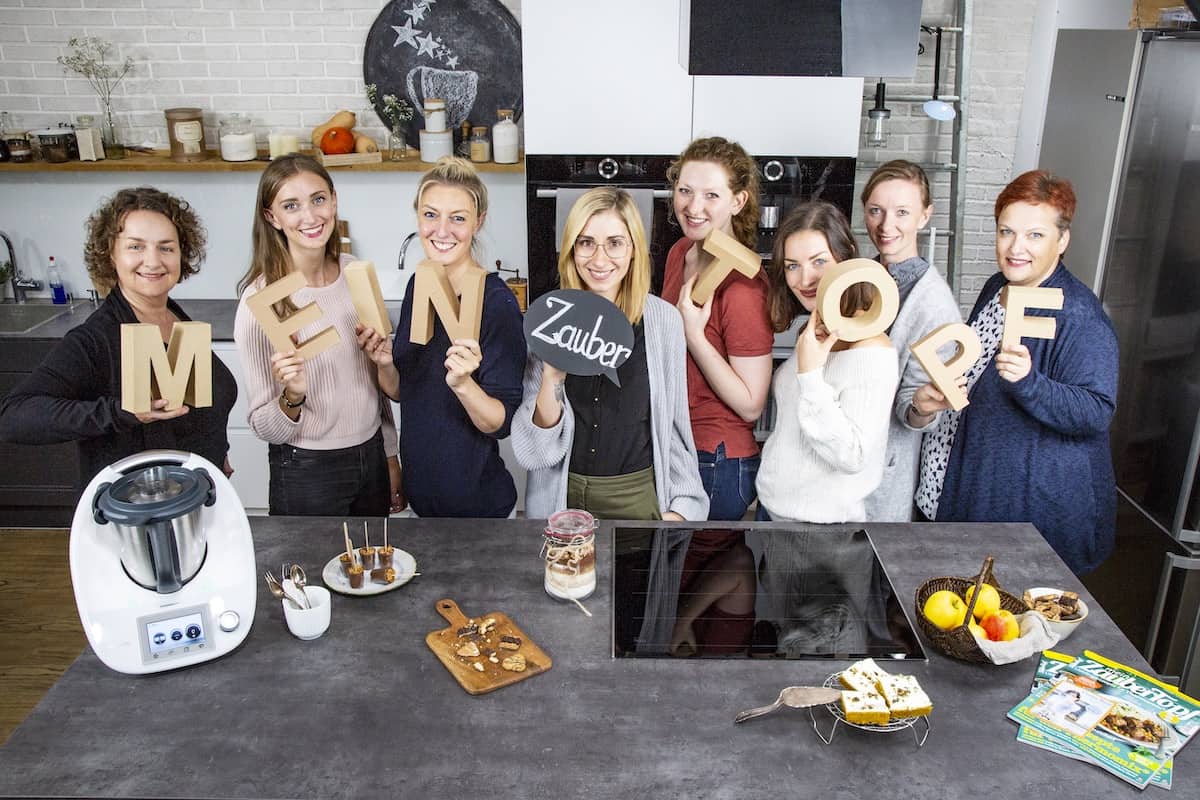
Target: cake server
[{"x": 794, "y": 697}]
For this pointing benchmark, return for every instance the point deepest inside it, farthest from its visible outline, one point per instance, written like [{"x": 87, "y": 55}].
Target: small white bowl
[
  {"x": 1063, "y": 627},
  {"x": 309, "y": 623}
]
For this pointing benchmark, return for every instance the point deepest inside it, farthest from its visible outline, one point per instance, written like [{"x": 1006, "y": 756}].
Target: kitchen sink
[{"x": 22, "y": 318}]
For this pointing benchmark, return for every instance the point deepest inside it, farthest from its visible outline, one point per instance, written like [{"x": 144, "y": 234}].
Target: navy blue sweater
[
  {"x": 1037, "y": 450},
  {"x": 451, "y": 469}
]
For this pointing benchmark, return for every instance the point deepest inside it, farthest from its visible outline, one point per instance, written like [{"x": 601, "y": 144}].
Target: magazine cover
[
  {"x": 1049, "y": 667},
  {"x": 1121, "y": 719}
]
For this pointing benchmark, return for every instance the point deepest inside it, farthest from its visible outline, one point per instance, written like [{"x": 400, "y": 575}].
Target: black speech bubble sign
[{"x": 579, "y": 332}]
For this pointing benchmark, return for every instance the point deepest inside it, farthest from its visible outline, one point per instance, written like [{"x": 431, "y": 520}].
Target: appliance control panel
[{"x": 175, "y": 633}]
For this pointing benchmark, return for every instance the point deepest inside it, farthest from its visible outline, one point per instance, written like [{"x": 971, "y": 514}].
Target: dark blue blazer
[{"x": 1037, "y": 450}]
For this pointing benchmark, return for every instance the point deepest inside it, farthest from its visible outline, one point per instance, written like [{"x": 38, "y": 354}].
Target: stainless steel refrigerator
[{"x": 1123, "y": 123}]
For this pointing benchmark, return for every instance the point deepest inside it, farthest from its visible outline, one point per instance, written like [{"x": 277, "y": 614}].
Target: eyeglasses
[{"x": 615, "y": 247}]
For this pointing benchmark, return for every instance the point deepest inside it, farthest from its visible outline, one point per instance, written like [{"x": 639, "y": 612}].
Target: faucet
[
  {"x": 403, "y": 248},
  {"x": 16, "y": 280}
]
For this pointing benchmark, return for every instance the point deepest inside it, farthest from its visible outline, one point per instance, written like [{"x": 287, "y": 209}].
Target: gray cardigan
[
  {"x": 546, "y": 452},
  {"x": 929, "y": 305}
]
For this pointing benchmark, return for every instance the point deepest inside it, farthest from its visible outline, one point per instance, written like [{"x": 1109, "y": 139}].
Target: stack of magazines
[{"x": 1102, "y": 712}]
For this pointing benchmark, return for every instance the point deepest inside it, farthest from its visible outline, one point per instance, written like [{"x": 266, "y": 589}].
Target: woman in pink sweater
[{"x": 332, "y": 441}]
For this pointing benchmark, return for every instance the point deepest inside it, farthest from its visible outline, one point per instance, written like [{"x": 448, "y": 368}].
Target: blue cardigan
[{"x": 1037, "y": 450}]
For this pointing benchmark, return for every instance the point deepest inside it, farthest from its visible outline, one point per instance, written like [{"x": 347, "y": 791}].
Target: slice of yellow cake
[
  {"x": 862, "y": 676},
  {"x": 865, "y": 708},
  {"x": 904, "y": 696}
]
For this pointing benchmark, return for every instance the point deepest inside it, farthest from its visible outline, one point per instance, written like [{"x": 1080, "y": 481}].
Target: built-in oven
[{"x": 553, "y": 183}]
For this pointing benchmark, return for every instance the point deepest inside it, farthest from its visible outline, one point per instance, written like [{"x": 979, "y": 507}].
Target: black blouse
[
  {"x": 75, "y": 395},
  {"x": 612, "y": 423}
]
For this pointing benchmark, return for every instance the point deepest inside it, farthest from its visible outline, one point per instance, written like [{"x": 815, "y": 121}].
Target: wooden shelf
[{"x": 160, "y": 161}]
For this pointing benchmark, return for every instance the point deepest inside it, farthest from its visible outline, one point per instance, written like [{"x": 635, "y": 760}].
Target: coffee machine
[{"x": 162, "y": 561}]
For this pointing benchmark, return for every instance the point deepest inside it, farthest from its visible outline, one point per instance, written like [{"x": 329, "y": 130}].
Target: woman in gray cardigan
[
  {"x": 896, "y": 204},
  {"x": 619, "y": 452}
]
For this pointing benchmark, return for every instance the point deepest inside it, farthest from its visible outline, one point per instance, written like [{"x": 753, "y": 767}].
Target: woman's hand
[
  {"x": 288, "y": 370},
  {"x": 462, "y": 359},
  {"x": 929, "y": 400},
  {"x": 396, "y": 480},
  {"x": 1014, "y": 362},
  {"x": 813, "y": 345},
  {"x": 683, "y": 638},
  {"x": 695, "y": 317},
  {"x": 158, "y": 412},
  {"x": 227, "y": 468},
  {"x": 378, "y": 348},
  {"x": 672, "y": 516}
]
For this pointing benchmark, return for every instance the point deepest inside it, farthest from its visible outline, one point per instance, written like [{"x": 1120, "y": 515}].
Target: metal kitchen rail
[{"x": 964, "y": 18}]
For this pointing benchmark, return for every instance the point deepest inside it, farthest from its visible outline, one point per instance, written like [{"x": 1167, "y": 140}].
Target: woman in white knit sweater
[
  {"x": 832, "y": 398},
  {"x": 332, "y": 444}
]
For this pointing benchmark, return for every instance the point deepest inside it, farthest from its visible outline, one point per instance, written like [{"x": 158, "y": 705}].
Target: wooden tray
[
  {"x": 348, "y": 159},
  {"x": 446, "y": 642}
]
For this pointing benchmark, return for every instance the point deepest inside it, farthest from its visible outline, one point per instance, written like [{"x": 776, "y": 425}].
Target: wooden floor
[{"x": 40, "y": 634}]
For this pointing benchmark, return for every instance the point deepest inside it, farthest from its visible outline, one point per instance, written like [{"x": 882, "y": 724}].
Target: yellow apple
[
  {"x": 979, "y": 632},
  {"x": 988, "y": 603},
  {"x": 1001, "y": 626},
  {"x": 945, "y": 609}
]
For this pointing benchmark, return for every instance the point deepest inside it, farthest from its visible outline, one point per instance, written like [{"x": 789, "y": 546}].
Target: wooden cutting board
[{"x": 446, "y": 643}]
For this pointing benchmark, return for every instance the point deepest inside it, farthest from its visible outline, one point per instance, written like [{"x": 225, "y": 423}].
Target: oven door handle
[{"x": 550, "y": 194}]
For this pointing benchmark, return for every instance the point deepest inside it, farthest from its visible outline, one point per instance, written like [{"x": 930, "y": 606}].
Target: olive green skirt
[{"x": 630, "y": 496}]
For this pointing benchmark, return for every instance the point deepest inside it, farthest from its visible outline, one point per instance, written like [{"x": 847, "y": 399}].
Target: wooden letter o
[{"x": 876, "y": 319}]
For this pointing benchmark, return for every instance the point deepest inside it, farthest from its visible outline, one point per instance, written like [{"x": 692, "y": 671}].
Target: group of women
[{"x": 859, "y": 432}]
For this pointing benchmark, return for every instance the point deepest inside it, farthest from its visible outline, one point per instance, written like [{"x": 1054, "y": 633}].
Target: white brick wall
[
  {"x": 289, "y": 64},
  {"x": 1001, "y": 39}
]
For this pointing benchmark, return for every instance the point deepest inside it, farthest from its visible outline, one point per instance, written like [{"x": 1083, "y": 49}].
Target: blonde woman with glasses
[{"x": 620, "y": 452}]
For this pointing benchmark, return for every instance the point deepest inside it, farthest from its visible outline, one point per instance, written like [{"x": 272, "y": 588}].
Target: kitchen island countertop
[{"x": 368, "y": 710}]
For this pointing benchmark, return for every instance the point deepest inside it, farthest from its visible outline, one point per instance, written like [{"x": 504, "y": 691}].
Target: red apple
[{"x": 1001, "y": 626}]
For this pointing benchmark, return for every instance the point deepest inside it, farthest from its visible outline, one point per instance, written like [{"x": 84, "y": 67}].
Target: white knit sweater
[{"x": 826, "y": 452}]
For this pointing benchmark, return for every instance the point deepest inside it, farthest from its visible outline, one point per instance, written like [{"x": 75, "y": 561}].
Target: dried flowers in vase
[
  {"x": 89, "y": 58},
  {"x": 393, "y": 113}
]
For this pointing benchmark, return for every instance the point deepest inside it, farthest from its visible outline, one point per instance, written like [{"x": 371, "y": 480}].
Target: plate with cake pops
[{"x": 368, "y": 570}]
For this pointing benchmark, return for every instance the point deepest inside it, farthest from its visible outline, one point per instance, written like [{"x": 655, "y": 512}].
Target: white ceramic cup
[{"x": 308, "y": 623}]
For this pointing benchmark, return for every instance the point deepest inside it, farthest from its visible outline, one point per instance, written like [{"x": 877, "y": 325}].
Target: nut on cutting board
[{"x": 486, "y": 652}]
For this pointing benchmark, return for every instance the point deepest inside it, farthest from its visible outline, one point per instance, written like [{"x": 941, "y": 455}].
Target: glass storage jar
[
  {"x": 505, "y": 138},
  {"x": 569, "y": 551},
  {"x": 237, "y": 139},
  {"x": 481, "y": 146}
]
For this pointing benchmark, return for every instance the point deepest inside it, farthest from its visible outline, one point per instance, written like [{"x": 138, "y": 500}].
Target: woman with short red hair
[{"x": 1032, "y": 446}]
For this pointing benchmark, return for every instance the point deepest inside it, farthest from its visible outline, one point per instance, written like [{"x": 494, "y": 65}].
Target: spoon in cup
[{"x": 299, "y": 579}]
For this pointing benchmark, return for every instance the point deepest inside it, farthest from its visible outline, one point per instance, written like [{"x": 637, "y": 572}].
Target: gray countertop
[{"x": 368, "y": 710}]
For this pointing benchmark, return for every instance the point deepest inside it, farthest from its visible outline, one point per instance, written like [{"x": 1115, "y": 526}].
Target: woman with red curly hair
[
  {"x": 140, "y": 244},
  {"x": 1032, "y": 446}
]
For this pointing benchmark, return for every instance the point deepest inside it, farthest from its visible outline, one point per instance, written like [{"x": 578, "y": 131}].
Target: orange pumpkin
[{"x": 337, "y": 141}]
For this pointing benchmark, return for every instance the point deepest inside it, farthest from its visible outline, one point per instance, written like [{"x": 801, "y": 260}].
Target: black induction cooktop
[{"x": 770, "y": 593}]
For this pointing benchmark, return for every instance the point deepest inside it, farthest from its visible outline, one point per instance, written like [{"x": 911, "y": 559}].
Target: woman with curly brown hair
[
  {"x": 140, "y": 243},
  {"x": 714, "y": 186}
]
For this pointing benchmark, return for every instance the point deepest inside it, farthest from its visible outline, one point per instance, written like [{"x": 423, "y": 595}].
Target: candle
[{"x": 280, "y": 144}]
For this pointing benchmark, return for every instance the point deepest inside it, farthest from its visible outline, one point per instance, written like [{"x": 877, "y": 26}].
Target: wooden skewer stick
[
  {"x": 385, "y": 545},
  {"x": 366, "y": 538},
  {"x": 346, "y": 536}
]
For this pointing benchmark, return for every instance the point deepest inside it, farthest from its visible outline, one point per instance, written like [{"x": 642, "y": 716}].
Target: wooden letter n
[{"x": 432, "y": 293}]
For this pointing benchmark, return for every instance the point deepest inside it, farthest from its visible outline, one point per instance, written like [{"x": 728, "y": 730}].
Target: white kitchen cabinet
[
  {"x": 780, "y": 115},
  {"x": 604, "y": 78},
  {"x": 247, "y": 453}
]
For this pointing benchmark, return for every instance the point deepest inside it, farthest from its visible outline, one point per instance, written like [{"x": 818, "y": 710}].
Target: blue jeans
[
  {"x": 729, "y": 483},
  {"x": 762, "y": 515},
  {"x": 347, "y": 482}
]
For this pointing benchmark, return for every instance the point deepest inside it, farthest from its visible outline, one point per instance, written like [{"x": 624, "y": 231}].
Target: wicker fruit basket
[{"x": 960, "y": 642}]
